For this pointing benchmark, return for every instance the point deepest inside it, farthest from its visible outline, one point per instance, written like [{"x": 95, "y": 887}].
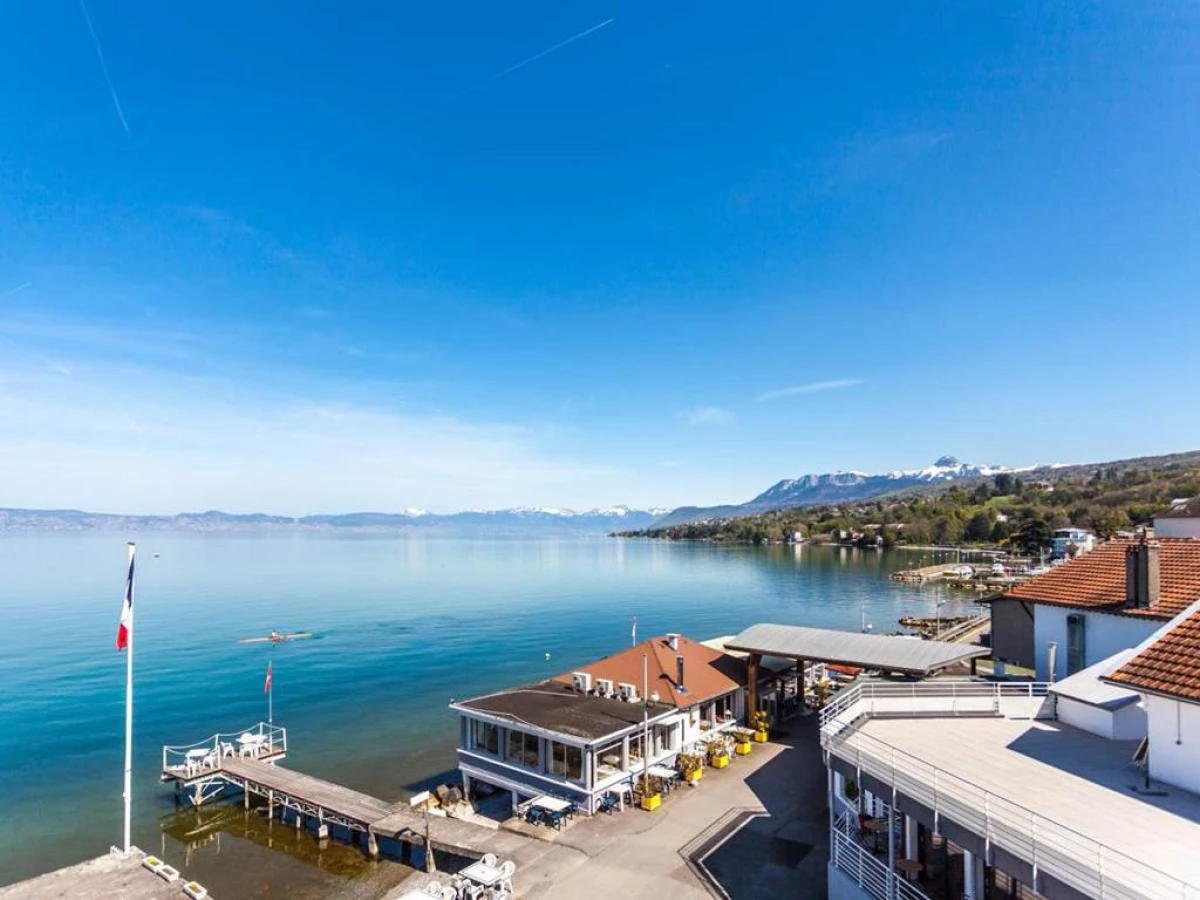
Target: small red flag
[{"x": 267, "y": 685}]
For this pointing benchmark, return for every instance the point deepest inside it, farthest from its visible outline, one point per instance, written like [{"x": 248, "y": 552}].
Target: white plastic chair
[
  {"x": 433, "y": 889},
  {"x": 507, "y": 868},
  {"x": 489, "y": 859},
  {"x": 449, "y": 893}
]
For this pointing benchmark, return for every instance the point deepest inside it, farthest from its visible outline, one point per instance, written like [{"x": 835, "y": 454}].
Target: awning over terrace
[{"x": 887, "y": 653}]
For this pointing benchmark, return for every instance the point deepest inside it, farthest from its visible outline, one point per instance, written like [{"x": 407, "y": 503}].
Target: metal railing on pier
[{"x": 257, "y": 741}]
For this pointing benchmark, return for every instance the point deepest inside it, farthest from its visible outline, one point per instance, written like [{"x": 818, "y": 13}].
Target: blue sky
[{"x": 374, "y": 255}]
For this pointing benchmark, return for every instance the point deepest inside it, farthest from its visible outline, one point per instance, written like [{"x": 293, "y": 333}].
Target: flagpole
[{"x": 129, "y": 706}]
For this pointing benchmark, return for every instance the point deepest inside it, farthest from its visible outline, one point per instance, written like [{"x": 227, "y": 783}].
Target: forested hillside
[{"x": 1004, "y": 510}]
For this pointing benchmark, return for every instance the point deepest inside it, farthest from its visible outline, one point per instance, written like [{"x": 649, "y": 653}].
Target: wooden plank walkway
[
  {"x": 333, "y": 798},
  {"x": 341, "y": 805}
]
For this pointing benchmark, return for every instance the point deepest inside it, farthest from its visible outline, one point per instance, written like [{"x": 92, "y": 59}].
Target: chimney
[
  {"x": 673, "y": 641},
  {"x": 679, "y": 672},
  {"x": 1153, "y": 579},
  {"x": 1133, "y": 555},
  {"x": 1143, "y": 578}
]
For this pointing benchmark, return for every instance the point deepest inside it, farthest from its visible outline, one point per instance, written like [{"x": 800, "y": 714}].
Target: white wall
[
  {"x": 1184, "y": 528},
  {"x": 1125, "y": 724},
  {"x": 1174, "y": 742},
  {"x": 1104, "y": 635}
]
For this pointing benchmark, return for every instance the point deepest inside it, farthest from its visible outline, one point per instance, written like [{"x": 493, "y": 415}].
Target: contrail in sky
[
  {"x": 495, "y": 76},
  {"x": 530, "y": 59},
  {"x": 18, "y": 289},
  {"x": 104, "y": 67}
]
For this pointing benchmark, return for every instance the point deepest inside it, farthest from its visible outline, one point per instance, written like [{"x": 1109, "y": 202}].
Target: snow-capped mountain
[
  {"x": 515, "y": 522},
  {"x": 836, "y": 487}
]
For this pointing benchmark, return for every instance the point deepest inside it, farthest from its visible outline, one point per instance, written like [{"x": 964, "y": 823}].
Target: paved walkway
[{"x": 760, "y": 827}]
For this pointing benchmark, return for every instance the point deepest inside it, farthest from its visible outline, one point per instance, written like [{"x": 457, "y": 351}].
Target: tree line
[{"x": 1004, "y": 511}]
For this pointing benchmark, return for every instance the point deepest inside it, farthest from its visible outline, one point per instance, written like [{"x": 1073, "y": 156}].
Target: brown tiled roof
[
  {"x": 1171, "y": 665},
  {"x": 1096, "y": 580},
  {"x": 707, "y": 673}
]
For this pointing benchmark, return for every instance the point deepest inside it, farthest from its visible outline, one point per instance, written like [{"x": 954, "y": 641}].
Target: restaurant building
[{"x": 580, "y": 734}]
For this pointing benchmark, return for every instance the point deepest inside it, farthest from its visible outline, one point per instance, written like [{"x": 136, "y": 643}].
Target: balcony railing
[
  {"x": 1050, "y": 847},
  {"x": 871, "y": 875}
]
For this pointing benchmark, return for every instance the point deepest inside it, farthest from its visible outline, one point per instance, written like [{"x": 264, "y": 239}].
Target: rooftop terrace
[{"x": 1068, "y": 802}]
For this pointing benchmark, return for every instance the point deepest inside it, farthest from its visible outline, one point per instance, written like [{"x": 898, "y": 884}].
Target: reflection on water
[{"x": 252, "y": 855}]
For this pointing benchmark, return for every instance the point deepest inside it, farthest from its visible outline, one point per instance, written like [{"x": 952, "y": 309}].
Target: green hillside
[{"x": 1005, "y": 511}]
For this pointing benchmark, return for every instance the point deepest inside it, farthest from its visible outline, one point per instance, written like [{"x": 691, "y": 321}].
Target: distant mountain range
[
  {"x": 832, "y": 488},
  {"x": 837, "y": 487},
  {"x": 521, "y": 521}
]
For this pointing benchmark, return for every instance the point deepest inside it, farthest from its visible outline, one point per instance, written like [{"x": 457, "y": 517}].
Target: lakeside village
[{"x": 796, "y": 762}]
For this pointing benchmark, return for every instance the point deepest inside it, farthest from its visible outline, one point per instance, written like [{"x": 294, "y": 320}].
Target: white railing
[
  {"x": 937, "y": 697},
  {"x": 255, "y": 742},
  {"x": 1052, "y": 848},
  {"x": 870, "y": 874}
]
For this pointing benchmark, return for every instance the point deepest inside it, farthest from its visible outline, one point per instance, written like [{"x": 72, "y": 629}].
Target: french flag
[{"x": 125, "y": 628}]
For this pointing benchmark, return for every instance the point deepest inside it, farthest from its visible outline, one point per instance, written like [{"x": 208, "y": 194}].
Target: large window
[
  {"x": 567, "y": 760},
  {"x": 523, "y": 748},
  {"x": 486, "y": 737},
  {"x": 1076, "y": 643}
]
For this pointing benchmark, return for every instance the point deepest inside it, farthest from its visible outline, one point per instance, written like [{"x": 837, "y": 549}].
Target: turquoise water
[{"x": 403, "y": 626}]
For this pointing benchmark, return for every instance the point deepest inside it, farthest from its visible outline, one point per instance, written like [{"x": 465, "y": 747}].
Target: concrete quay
[{"x": 115, "y": 876}]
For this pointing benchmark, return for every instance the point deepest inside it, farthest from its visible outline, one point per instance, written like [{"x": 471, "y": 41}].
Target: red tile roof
[
  {"x": 1096, "y": 580},
  {"x": 707, "y": 673},
  {"x": 1171, "y": 665}
]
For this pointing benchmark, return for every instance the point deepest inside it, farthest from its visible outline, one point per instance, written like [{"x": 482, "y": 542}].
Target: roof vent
[
  {"x": 673, "y": 641},
  {"x": 581, "y": 681}
]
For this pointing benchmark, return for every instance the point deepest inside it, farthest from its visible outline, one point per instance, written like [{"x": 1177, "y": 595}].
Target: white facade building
[{"x": 1182, "y": 521}]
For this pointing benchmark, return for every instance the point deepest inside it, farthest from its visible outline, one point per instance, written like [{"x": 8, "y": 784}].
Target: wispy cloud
[
  {"x": 814, "y": 387},
  {"x": 708, "y": 415},
  {"x": 130, "y": 443},
  {"x": 104, "y": 67},
  {"x": 18, "y": 289}
]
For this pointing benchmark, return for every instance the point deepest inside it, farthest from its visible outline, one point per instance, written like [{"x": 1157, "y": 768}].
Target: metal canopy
[{"x": 888, "y": 653}]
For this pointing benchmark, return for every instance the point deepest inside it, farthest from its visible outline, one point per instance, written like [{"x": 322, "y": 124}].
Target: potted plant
[{"x": 651, "y": 798}]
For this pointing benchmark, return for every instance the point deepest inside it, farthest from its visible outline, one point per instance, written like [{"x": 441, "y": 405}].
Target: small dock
[
  {"x": 247, "y": 762},
  {"x": 934, "y": 573}
]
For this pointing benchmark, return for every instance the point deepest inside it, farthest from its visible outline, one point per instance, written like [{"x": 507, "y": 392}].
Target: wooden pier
[{"x": 253, "y": 770}]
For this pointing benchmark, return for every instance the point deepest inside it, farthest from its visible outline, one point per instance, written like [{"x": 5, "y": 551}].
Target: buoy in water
[{"x": 547, "y": 656}]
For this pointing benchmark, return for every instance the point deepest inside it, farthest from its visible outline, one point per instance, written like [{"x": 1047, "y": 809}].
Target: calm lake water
[{"x": 403, "y": 626}]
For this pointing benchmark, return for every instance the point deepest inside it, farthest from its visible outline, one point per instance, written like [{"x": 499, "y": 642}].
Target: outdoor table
[
  {"x": 875, "y": 826},
  {"x": 483, "y": 874},
  {"x": 249, "y": 743},
  {"x": 551, "y": 804},
  {"x": 910, "y": 867}
]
